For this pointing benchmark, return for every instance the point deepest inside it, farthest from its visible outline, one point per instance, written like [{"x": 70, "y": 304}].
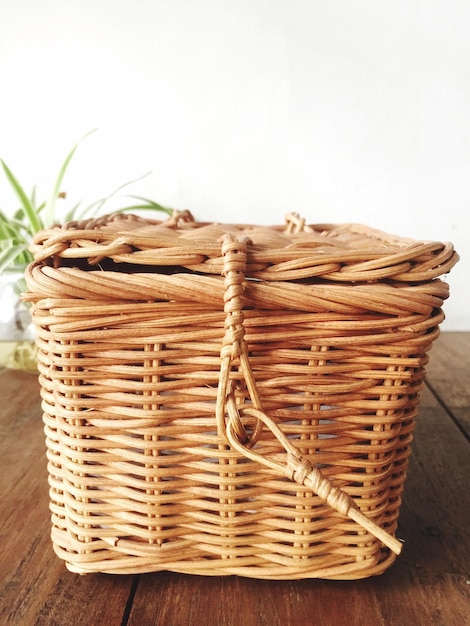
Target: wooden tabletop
[{"x": 429, "y": 584}]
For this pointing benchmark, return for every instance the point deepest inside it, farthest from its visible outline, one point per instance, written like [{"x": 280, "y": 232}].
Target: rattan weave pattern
[{"x": 231, "y": 399}]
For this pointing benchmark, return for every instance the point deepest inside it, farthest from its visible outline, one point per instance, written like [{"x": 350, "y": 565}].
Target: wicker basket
[{"x": 228, "y": 399}]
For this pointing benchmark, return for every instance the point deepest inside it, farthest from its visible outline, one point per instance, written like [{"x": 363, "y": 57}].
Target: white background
[{"x": 246, "y": 109}]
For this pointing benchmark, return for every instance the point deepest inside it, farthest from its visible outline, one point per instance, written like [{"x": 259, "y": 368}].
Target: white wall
[{"x": 244, "y": 109}]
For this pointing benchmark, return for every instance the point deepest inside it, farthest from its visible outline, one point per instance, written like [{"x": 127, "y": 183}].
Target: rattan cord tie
[{"x": 229, "y": 417}]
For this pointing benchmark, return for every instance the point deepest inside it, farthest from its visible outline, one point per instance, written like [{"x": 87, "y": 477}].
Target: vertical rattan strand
[
  {"x": 153, "y": 489},
  {"x": 305, "y": 516}
]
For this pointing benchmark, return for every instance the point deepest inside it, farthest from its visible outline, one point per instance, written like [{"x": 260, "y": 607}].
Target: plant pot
[{"x": 17, "y": 347}]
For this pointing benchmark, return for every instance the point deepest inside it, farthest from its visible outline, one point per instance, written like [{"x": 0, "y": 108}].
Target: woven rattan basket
[{"x": 227, "y": 399}]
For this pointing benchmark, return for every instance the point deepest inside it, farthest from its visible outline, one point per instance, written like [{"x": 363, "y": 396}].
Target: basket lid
[{"x": 293, "y": 251}]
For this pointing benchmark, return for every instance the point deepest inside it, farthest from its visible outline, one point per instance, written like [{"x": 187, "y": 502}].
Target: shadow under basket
[{"x": 231, "y": 399}]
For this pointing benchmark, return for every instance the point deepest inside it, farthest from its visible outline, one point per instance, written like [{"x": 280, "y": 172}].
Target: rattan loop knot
[
  {"x": 234, "y": 254},
  {"x": 296, "y": 224},
  {"x": 334, "y": 497},
  {"x": 233, "y": 343},
  {"x": 237, "y": 427},
  {"x": 300, "y": 470},
  {"x": 179, "y": 217}
]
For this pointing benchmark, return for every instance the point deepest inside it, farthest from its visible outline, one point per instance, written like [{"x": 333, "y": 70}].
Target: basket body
[{"x": 131, "y": 319}]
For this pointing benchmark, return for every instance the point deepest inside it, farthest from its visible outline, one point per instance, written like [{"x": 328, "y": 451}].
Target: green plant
[
  {"x": 17, "y": 350},
  {"x": 16, "y": 232}
]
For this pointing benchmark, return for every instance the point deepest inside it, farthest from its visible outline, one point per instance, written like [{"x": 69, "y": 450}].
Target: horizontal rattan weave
[{"x": 231, "y": 399}]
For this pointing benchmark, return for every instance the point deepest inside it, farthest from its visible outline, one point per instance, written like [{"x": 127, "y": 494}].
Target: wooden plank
[
  {"x": 448, "y": 374},
  {"x": 427, "y": 585},
  {"x": 35, "y": 587},
  {"x": 178, "y": 600}
]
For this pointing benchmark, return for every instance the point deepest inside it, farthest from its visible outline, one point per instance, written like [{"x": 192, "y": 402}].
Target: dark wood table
[{"x": 429, "y": 584}]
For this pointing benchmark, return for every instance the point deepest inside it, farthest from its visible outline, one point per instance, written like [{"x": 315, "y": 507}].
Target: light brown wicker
[{"x": 227, "y": 399}]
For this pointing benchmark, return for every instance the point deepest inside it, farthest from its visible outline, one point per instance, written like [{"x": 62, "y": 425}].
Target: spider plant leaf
[
  {"x": 14, "y": 229},
  {"x": 34, "y": 219},
  {"x": 34, "y": 202},
  {"x": 95, "y": 207},
  {"x": 147, "y": 204},
  {"x": 14, "y": 257},
  {"x": 4, "y": 220},
  {"x": 10, "y": 231},
  {"x": 89, "y": 210},
  {"x": 72, "y": 213},
  {"x": 50, "y": 204}
]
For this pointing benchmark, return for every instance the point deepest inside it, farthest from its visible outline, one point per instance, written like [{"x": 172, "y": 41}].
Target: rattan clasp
[{"x": 231, "y": 419}]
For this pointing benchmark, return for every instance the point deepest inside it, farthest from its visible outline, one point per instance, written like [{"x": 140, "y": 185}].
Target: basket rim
[{"x": 336, "y": 252}]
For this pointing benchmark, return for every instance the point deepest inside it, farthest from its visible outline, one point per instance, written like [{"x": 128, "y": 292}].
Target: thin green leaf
[
  {"x": 33, "y": 218},
  {"x": 72, "y": 214},
  {"x": 41, "y": 207},
  {"x": 4, "y": 221},
  {"x": 37, "y": 208},
  {"x": 95, "y": 207},
  {"x": 12, "y": 228},
  {"x": 89, "y": 210},
  {"x": 10, "y": 257},
  {"x": 146, "y": 205},
  {"x": 50, "y": 204},
  {"x": 13, "y": 231}
]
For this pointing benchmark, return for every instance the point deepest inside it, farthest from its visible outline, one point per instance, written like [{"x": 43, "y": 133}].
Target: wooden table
[{"x": 429, "y": 585}]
